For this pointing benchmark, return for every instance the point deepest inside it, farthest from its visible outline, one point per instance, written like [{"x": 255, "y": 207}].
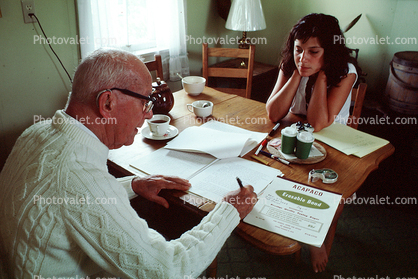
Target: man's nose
[{"x": 149, "y": 115}]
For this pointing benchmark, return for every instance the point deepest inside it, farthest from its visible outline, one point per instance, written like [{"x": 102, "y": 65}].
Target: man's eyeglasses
[{"x": 147, "y": 106}]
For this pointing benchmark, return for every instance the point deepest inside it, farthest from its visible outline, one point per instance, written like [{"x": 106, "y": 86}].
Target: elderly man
[{"x": 51, "y": 221}]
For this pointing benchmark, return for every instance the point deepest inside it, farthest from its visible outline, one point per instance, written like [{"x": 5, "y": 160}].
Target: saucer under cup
[{"x": 159, "y": 124}]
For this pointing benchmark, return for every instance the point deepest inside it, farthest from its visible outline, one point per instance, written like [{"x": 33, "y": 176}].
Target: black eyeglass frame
[{"x": 148, "y": 106}]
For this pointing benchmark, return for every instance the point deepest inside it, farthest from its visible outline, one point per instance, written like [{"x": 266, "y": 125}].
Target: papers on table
[
  {"x": 171, "y": 162},
  {"x": 349, "y": 140},
  {"x": 213, "y": 171},
  {"x": 216, "y": 143},
  {"x": 295, "y": 210},
  {"x": 219, "y": 178},
  {"x": 217, "y": 139}
]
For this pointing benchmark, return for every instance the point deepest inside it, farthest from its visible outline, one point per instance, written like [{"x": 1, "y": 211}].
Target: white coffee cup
[
  {"x": 193, "y": 85},
  {"x": 159, "y": 124},
  {"x": 201, "y": 108}
]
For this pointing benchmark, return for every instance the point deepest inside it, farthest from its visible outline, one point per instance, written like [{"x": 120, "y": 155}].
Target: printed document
[{"x": 295, "y": 211}]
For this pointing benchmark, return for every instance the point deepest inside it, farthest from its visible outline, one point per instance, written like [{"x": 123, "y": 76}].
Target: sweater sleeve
[
  {"x": 126, "y": 182},
  {"x": 121, "y": 243}
]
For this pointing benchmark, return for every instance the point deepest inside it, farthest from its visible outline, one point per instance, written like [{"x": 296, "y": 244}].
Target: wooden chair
[
  {"x": 357, "y": 95},
  {"x": 245, "y": 72},
  {"x": 157, "y": 66}
]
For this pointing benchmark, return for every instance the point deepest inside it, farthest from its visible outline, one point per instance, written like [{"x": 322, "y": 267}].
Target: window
[{"x": 143, "y": 27}]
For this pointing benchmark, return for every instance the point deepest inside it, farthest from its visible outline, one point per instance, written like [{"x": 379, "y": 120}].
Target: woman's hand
[
  {"x": 150, "y": 186},
  {"x": 322, "y": 77},
  {"x": 325, "y": 104},
  {"x": 281, "y": 98}
]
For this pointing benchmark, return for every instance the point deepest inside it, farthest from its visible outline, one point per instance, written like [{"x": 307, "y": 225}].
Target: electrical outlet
[{"x": 28, "y": 7}]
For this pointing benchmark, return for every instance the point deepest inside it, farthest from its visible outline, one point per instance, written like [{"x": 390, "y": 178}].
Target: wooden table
[{"x": 251, "y": 115}]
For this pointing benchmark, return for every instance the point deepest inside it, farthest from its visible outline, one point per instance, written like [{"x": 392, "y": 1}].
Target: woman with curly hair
[
  {"x": 315, "y": 79},
  {"x": 316, "y": 74}
]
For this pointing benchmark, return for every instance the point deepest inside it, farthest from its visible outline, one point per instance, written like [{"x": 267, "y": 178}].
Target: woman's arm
[
  {"x": 324, "y": 107},
  {"x": 281, "y": 98}
]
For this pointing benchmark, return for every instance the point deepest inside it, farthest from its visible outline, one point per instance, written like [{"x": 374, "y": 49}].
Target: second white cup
[
  {"x": 159, "y": 124},
  {"x": 201, "y": 108}
]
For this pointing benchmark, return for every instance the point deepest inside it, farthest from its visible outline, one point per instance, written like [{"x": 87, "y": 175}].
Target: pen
[
  {"x": 240, "y": 183},
  {"x": 260, "y": 160},
  {"x": 274, "y": 157},
  {"x": 274, "y": 129},
  {"x": 261, "y": 146}
]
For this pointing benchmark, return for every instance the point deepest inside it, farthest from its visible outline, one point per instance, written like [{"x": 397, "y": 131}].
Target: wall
[
  {"x": 32, "y": 80},
  {"x": 381, "y": 18}
]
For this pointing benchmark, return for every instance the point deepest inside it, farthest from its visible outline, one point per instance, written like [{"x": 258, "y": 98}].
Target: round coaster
[{"x": 274, "y": 148}]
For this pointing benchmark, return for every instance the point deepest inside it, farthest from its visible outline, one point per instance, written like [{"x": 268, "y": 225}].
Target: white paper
[
  {"x": 349, "y": 140},
  {"x": 214, "y": 142},
  {"x": 218, "y": 139},
  {"x": 171, "y": 162},
  {"x": 295, "y": 210},
  {"x": 220, "y": 178},
  {"x": 253, "y": 141},
  {"x": 211, "y": 178}
]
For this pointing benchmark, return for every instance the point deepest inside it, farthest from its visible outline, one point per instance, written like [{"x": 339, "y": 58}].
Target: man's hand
[
  {"x": 242, "y": 199},
  {"x": 149, "y": 186}
]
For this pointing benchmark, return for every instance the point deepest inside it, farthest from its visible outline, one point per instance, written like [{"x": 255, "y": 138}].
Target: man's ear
[{"x": 107, "y": 104}]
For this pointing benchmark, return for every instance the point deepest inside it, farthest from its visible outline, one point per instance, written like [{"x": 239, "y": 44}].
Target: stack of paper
[
  {"x": 349, "y": 141},
  {"x": 217, "y": 139},
  {"x": 208, "y": 156}
]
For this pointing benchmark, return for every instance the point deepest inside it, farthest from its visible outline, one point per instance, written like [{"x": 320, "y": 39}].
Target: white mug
[
  {"x": 159, "y": 124},
  {"x": 201, "y": 108}
]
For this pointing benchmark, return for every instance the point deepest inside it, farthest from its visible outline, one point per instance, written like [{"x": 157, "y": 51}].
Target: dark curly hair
[{"x": 326, "y": 29}]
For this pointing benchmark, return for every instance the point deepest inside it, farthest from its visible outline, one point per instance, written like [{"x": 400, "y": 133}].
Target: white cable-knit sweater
[{"x": 62, "y": 214}]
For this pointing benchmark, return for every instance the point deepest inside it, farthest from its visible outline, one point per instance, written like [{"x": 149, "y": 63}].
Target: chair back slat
[{"x": 246, "y": 72}]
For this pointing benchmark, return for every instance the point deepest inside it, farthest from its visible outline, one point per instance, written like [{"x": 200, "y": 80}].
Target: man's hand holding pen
[{"x": 243, "y": 199}]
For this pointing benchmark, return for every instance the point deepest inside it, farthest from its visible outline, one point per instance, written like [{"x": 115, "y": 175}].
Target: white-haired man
[{"x": 52, "y": 224}]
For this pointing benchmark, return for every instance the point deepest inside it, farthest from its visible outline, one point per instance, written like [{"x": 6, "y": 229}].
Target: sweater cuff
[
  {"x": 127, "y": 184},
  {"x": 226, "y": 212}
]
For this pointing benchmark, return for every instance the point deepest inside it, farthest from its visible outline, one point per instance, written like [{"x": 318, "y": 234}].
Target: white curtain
[{"x": 143, "y": 27}]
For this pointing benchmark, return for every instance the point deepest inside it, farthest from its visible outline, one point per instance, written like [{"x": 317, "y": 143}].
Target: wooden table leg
[{"x": 297, "y": 256}]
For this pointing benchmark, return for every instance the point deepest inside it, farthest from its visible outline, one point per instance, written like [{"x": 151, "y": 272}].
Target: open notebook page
[
  {"x": 253, "y": 141},
  {"x": 220, "y": 177},
  {"x": 172, "y": 162}
]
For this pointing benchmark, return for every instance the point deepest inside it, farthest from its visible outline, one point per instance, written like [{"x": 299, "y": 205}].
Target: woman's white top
[{"x": 299, "y": 102}]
